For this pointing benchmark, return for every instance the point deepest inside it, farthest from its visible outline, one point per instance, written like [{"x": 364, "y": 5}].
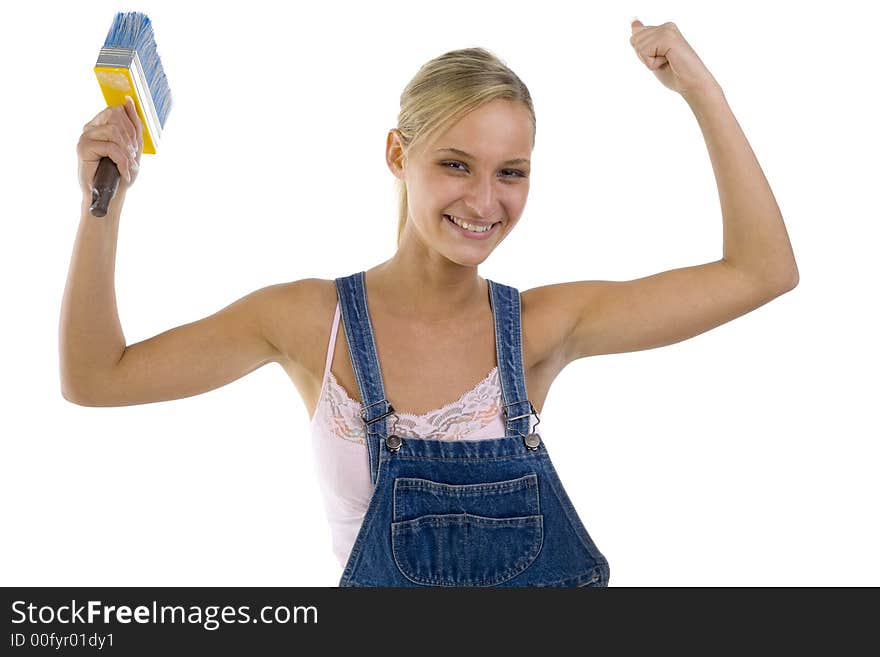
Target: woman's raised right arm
[{"x": 97, "y": 368}]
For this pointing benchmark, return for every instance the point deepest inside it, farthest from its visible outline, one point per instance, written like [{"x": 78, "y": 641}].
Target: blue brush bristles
[{"x": 133, "y": 30}]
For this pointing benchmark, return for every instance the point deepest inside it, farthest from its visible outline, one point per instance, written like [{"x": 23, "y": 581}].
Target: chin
[
  {"x": 471, "y": 265},
  {"x": 468, "y": 257}
]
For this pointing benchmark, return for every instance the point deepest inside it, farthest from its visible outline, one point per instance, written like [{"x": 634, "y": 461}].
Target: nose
[{"x": 483, "y": 197}]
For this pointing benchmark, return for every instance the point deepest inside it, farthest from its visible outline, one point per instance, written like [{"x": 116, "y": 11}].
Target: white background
[{"x": 744, "y": 456}]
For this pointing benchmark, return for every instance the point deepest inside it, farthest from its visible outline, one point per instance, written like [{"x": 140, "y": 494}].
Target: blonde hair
[{"x": 444, "y": 90}]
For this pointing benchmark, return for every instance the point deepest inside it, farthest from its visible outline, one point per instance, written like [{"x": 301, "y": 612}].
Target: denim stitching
[
  {"x": 352, "y": 340},
  {"x": 367, "y": 349},
  {"x": 462, "y": 459},
  {"x": 571, "y": 516},
  {"x": 527, "y": 484},
  {"x": 370, "y": 345},
  {"x": 493, "y": 297},
  {"x": 399, "y": 529},
  {"x": 357, "y": 548},
  {"x": 416, "y": 483}
]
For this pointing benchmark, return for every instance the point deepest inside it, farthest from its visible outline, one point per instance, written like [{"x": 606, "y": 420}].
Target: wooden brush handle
[{"x": 104, "y": 186}]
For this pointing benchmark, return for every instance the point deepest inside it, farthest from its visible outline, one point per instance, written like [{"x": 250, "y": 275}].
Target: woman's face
[{"x": 477, "y": 171}]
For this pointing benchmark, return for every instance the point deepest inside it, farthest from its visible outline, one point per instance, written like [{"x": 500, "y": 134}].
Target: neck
[{"x": 421, "y": 284}]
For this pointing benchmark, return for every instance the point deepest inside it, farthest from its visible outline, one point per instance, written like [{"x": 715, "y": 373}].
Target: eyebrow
[{"x": 457, "y": 151}]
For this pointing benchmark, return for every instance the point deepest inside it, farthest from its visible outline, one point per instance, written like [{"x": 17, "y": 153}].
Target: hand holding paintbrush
[
  {"x": 133, "y": 82},
  {"x": 116, "y": 133}
]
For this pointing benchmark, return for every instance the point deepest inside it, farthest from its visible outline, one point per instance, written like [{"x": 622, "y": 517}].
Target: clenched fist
[{"x": 665, "y": 52}]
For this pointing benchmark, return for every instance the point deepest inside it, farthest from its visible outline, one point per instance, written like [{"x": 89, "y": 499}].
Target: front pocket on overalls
[{"x": 465, "y": 534}]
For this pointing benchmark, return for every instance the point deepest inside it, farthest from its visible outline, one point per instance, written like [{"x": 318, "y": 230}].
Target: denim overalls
[{"x": 488, "y": 512}]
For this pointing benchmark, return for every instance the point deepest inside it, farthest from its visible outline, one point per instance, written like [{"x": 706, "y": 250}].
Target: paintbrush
[{"x": 129, "y": 65}]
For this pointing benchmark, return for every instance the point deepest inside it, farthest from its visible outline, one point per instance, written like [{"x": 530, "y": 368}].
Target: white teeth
[{"x": 467, "y": 226}]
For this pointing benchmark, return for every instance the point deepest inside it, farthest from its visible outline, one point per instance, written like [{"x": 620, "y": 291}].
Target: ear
[{"x": 394, "y": 154}]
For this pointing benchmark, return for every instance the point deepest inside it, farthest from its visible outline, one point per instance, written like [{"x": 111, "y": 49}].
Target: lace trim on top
[{"x": 341, "y": 415}]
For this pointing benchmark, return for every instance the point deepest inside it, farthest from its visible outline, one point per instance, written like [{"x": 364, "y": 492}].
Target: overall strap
[
  {"x": 375, "y": 408},
  {"x": 508, "y": 345},
  {"x": 365, "y": 362}
]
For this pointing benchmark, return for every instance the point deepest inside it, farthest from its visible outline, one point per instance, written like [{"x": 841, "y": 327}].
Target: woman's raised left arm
[
  {"x": 755, "y": 240},
  {"x": 588, "y": 318}
]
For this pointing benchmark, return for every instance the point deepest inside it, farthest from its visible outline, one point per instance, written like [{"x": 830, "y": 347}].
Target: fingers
[
  {"x": 112, "y": 140},
  {"x": 115, "y": 132},
  {"x": 112, "y": 133},
  {"x": 646, "y": 33},
  {"x": 136, "y": 122},
  {"x": 646, "y": 42},
  {"x": 100, "y": 118},
  {"x": 125, "y": 118},
  {"x": 109, "y": 132},
  {"x": 92, "y": 150}
]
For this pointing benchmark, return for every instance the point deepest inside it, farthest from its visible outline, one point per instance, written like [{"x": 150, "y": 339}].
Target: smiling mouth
[{"x": 476, "y": 229}]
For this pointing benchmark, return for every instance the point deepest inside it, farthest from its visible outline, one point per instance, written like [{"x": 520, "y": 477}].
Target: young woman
[{"x": 421, "y": 490}]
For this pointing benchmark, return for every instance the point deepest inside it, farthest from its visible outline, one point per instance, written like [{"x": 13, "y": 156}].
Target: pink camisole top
[{"x": 340, "y": 451}]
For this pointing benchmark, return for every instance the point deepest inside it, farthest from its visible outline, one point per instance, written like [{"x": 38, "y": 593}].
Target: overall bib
[{"x": 488, "y": 512}]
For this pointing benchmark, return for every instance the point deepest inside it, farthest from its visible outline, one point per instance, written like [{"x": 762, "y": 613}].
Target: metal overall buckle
[
  {"x": 533, "y": 439},
  {"x": 392, "y": 441}
]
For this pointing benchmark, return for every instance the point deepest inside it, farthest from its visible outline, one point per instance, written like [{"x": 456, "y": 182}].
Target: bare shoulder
[
  {"x": 549, "y": 315},
  {"x": 295, "y": 316}
]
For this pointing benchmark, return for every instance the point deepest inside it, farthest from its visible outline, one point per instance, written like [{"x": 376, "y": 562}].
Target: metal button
[
  {"x": 532, "y": 440},
  {"x": 393, "y": 442}
]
